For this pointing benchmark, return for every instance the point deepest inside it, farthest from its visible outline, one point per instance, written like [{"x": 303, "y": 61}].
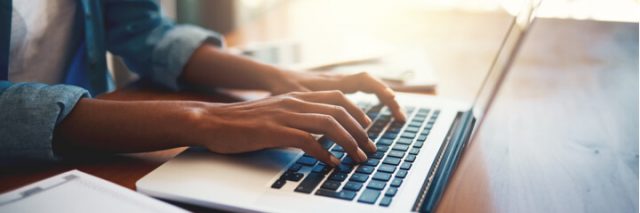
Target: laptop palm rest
[{"x": 198, "y": 173}]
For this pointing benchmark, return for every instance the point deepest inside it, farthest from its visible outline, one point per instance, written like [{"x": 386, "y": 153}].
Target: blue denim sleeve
[
  {"x": 29, "y": 114},
  {"x": 150, "y": 44}
]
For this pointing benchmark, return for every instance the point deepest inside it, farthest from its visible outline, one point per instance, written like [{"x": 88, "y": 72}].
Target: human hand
[
  {"x": 296, "y": 81},
  {"x": 282, "y": 121}
]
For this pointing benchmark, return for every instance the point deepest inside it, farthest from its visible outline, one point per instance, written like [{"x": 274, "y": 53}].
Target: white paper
[{"x": 75, "y": 191}]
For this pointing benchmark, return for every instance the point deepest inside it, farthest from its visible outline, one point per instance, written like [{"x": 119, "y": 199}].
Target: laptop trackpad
[{"x": 220, "y": 177}]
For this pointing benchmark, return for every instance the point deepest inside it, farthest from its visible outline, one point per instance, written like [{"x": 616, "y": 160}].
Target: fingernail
[
  {"x": 369, "y": 121},
  {"x": 362, "y": 156},
  {"x": 334, "y": 161},
  {"x": 371, "y": 147}
]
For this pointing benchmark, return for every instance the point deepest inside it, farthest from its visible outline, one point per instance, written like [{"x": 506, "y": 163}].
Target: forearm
[
  {"x": 122, "y": 126},
  {"x": 210, "y": 67}
]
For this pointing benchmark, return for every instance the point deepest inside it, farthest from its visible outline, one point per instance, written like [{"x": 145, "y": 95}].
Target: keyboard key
[
  {"x": 377, "y": 155},
  {"x": 414, "y": 151},
  {"x": 387, "y": 168},
  {"x": 377, "y": 185},
  {"x": 344, "y": 168},
  {"x": 405, "y": 165},
  {"x": 392, "y": 160},
  {"x": 428, "y": 126},
  {"x": 400, "y": 147},
  {"x": 397, "y": 154},
  {"x": 292, "y": 176},
  {"x": 338, "y": 176},
  {"x": 308, "y": 161},
  {"x": 391, "y": 191},
  {"x": 279, "y": 183},
  {"x": 408, "y": 135},
  {"x": 373, "y": 135},
  {"x": 418, "y": 144},
  {"x": 379, "y": 124},
  {"x": 386, "y": 201},
  {"x": 352, "y": 186},
  {"x": 396, "y": 182},
  {"x": 310, "y": 182},
  {"x": 365, "y": 169},
  {"x": 412, "y": 129},
  {"x": 337, "y": 148},
  {"x": 322, "y": 169},
  {"x": 345, "y": 195},
  {"x": 422, "y": 138},
  {"x": 405, "y": 141},
  {"x": 369, "y": 196},
  {"x": 425, "y": 132},
  {"x": 331, "y": 185},
  {"x": 415, "y": 124},
  {"x": 395, "y": 130},
  {"x": 401, "y": 173},
  {"x": 389, "y": 135},
  {"x": 359, "y": 177},
  {"x": 381, "y": 176},
  {"x": 382, "y": 148},
  {"x": 295, "y": 167},
  {"x": 348, "y": 160},
  {"x": 410, "y": 158},
  {"x": 396, "y": 123},
  {"x": 338, "y": 155},
  {"x": 372, "y": 162},
  {"x": 384, "y": 141},
  {"x": 372, "y": 115}
]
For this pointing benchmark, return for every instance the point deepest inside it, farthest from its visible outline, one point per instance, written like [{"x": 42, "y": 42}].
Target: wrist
[
  {"x": 274, "y": 78},
  {"x": 196, "y": 118},
  {"x": 283, "y": 81}
]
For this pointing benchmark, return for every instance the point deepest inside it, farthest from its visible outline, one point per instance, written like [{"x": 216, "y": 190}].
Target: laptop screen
[{"x": 503, "y": 60}]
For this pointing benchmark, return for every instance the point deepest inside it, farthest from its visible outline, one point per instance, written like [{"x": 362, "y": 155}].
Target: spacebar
[
  {"x": 345, "y": 195},
  {"x": 310, "y": 182}
]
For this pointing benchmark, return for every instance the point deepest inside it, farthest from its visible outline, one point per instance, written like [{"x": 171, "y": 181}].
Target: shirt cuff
[
  {"x": 30, "y": 112},
  {"x": 174, "y": 50}
]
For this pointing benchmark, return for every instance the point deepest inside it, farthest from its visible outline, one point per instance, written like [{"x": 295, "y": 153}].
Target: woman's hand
[
  {"x": 279, "y": 121},
  {"x": 210, "y": 67},
  {"x": 296, "y": 81},
  {"x": 283, "y": 121}
]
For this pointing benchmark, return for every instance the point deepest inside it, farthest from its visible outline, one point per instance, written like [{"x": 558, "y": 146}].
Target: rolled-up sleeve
[
  {"x": 150, "y": 44},
  {"x": 29, "y": 114}
]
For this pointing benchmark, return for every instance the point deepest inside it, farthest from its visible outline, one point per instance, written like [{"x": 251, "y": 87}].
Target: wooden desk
[
  {"x": 563, "y": 133},
  {"x": 562, "y": 136}
]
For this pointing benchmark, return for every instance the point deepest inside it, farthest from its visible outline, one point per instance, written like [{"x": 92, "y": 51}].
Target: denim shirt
[{"x": 135, "y": 30}]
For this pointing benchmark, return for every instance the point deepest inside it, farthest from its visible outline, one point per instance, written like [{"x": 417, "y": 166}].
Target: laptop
[{"x": 409, "y": 171}]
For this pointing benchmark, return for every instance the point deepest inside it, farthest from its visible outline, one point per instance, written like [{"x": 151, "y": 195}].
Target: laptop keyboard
[{"x": 377, "y": 180}]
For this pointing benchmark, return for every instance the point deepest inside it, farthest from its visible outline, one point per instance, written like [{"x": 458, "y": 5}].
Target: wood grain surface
[{"x": 563, "y": 133}]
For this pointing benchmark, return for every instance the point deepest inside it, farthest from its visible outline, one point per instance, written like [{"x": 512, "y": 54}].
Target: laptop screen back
[{"x": 503, "y": 60}]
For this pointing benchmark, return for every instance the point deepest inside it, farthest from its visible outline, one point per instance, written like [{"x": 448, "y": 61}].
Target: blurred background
[
  {"x": 224, "y": 15},
  {"x": 307, "y": 34}
]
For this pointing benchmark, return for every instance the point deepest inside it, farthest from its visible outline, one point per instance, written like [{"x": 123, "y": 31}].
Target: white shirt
[{"x": 41, "y": 36}]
